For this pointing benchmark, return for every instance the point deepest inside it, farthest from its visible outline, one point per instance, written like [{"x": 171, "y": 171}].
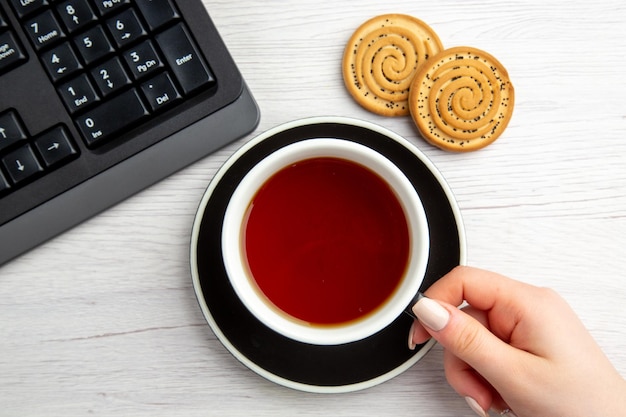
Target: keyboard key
[
  {"x": 157, "y": 12},
  {"x": 110, "y": 76},
  {"x": 24, "y": 8},
  {"x": 11, "y": 129},
  {"x": 75, "y": 14},
  {"x": 108, "y": 6},
  {"x": 11, "y": 54},
  {"x": 143, "y": 60},
  {"x": 4, "y": 183},
  {"x": 182, "y": 55},
  {"x": 160, "y": 92},
  {"x": 3, "y": 21},
  {"x": 60, "y": 62},
  {"x": 93, "y": 45},
  {"x": 55, "y": 146},
  {"x": 105, "y": 120},
  {"x": 21, "y": 164},
  {"x": 44, "y": 29},
  {"x": 78, "y": 93},
  {"x": 126, "y": 28}
]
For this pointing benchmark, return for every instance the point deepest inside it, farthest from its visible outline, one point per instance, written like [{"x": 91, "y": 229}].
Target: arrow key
[
  {"x": 21, "y": 164},
  {"x": 110, "y": 76},
  {"x": 76, "y": 14},
  {"x": 11, "y": 129},
  {"x": 125, "y": 28},
  {"x": 60, "y": 62},
  {"x": 55, "y": 146}
]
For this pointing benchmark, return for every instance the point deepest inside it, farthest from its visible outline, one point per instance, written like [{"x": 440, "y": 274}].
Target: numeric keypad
[{"x": 102, "y": 54}]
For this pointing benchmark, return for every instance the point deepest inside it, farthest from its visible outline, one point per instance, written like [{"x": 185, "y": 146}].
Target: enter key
[{"x": 182, "y": 55}]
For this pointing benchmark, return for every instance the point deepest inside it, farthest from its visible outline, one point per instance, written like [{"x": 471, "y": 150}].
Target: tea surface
[{"x": 326, "y": 240}]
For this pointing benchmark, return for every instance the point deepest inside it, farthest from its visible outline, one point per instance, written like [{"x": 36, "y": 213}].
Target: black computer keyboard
[{"x": 101, "y": 98}]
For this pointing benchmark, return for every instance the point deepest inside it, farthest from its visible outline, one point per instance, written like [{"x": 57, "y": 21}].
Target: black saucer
[{"x": 294, "y": 364}]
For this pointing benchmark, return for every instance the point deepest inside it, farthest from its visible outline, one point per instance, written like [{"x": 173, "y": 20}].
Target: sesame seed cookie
[
  {"x": 462, "y": 99},
  {"x": 382, "y": 58}
]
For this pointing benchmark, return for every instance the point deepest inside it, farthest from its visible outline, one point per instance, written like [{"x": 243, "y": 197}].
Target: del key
[{"x": 183, "y": 57}]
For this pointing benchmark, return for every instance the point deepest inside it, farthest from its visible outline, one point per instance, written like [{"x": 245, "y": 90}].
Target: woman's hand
[{"x": 516, "y": 347}]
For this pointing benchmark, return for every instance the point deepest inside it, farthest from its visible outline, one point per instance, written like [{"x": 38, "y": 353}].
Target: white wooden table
[{"x": 103, "y": 320}]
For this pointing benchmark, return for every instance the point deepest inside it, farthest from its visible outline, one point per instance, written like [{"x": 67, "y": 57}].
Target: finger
[
  {"x": 523, "y": 315},
  {"x": 480, "y": 288},
  {"x": 467, "y": 382},
  {"x": 418, "y": 334},
  {"x": 470, "y": 341},
  {"x": 464, "y": 379},
  {"x": 506, "y": 300}
]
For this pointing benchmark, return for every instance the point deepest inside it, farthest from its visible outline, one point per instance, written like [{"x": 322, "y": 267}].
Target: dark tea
[{"x": 326, "y": 241}]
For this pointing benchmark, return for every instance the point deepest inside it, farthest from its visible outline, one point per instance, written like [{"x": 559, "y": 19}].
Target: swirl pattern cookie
[
  {"x": 382, "y": 58},
  {"x": 462, "y": 100}
]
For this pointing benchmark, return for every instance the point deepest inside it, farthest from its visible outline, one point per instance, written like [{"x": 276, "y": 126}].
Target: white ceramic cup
[{"x": 236, "y": 264}]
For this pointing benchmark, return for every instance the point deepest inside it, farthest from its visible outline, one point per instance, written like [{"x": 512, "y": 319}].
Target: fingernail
[
  {"x": 431, "y": 313},
  {"x": 412, "y": 344},
  {"x": 476, "y": 407}
]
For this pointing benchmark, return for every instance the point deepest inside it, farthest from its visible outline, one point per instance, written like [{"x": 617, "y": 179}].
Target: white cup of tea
[{"x": 325, "y": 241}]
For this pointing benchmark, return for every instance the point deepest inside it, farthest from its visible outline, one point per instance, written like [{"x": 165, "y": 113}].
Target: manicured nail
[
  {"x": 431, "y": 314},
  {"x": 476, "y": 407},
  {"x": 412, "y": 344}
]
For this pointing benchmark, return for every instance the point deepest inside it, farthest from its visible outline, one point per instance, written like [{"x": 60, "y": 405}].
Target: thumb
[{"x": 466, "y": 338}]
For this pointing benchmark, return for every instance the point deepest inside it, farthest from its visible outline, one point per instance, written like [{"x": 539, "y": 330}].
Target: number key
[
  {"x": 143, "y": 59},
  {"x": 110, "y": 76},
  {"x": 125, "y": 28},
  {"x": 60, "y": 62},
  {"x": 104, "y": 121},
  {"x": 44, "y": 29},
  {"x": 93, "y": 45},
  {"x": 78, "y": 93},
  {"x": 75, "y": 14}
]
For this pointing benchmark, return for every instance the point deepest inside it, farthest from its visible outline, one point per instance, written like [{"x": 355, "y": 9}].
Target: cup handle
[{"x": 409, "y": 309}]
